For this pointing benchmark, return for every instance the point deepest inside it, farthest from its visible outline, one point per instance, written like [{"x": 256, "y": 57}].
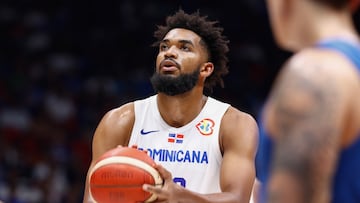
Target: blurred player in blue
[{"x": 310, "y": 126}]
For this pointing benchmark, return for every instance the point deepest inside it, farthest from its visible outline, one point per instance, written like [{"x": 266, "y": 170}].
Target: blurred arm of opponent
[{"x": 307, "y": 115}]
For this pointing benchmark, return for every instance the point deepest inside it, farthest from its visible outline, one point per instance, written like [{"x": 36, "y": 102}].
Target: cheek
[
  {"x": 188, "y": 64},
  {"x": 159, "y": 58}
]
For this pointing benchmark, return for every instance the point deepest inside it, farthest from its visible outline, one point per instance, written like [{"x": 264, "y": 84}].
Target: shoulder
[
  {"x": 321, "y": 64},
  {"x": 317, "y": 72},
  {"x": 113, "y": 129},
  {"x": 234, "y": 115},
  {"x": 312, "y": 84},
  {"x": 240, "y": 126},
  {"x": 123, "y": 112},
  {"x": 116, "y": 125}
]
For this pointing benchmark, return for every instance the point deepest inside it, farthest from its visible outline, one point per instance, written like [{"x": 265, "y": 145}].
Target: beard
[{"x": 171, "y": 85}]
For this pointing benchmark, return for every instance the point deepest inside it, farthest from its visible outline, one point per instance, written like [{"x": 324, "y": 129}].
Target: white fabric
[{"x": 191, "y": 152}]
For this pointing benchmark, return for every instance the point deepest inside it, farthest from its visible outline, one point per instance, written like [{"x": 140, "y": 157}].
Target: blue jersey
[{"x": 346, "y": 187}]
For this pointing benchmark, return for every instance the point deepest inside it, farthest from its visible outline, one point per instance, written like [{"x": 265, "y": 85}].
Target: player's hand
[
  {"x": 170, "y": 192},
  {"x": 136, "y": 147}
]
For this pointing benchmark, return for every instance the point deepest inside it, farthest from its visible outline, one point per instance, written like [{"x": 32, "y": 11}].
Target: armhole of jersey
[
  {"x": 133, "y": 135},
  {"x": 350, "y": 50},
  {"x": 140, "y": 108},
  {"x": 220, "y": 108}
]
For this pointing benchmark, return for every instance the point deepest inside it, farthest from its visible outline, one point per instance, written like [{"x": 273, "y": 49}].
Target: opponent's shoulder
[
  {"x": 313, "y": 81},
  {"x": 322, "y": 71},
  {"x": 320, "y": 64}
]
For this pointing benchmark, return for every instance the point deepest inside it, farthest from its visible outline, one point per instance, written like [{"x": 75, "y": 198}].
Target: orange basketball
[{"x": 119, "y": 174}]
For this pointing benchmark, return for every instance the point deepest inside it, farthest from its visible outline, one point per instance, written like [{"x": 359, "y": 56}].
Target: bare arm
[
  {"x": 239, "y": 137},
  {"x": 239, "y": 143},
  {"x": 304, "y": 115},
  {"x": 114, "y": 129}
]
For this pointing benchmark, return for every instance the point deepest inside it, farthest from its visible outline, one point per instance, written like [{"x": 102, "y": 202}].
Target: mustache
[{"x": 169, "y": 61}]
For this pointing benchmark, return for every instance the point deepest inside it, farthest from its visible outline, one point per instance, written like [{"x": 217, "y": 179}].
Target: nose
[{"x": 171, "y": 52}]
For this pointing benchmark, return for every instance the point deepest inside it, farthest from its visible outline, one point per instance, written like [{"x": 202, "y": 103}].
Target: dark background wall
[{"x": 64, "y": 63}]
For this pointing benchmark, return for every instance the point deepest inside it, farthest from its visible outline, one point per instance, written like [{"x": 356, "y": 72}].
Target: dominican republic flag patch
[{"x": 175, "y": 138}]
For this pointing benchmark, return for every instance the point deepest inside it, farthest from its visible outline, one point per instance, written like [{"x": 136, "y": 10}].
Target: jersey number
[{"x": 180, "y": 181}]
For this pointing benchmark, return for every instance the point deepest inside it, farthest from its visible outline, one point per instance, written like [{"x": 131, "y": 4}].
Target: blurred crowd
[{"x": 64, "y": 63}]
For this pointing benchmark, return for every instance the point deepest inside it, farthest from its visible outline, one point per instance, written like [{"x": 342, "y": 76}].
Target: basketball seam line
[{"x": 134, "y": 162}]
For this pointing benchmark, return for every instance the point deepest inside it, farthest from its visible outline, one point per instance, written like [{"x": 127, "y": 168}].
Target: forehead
[{"x": 179, "y": 34}]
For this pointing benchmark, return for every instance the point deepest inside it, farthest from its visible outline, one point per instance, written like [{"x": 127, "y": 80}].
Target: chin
[{"x": 169, "y": 75}]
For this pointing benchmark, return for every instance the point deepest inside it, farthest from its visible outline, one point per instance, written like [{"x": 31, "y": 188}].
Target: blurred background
[{"x": 65, "y": 63}]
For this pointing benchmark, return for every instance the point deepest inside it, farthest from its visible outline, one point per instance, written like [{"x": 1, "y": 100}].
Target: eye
[
  {"x": 185, "y": 48},
  {"x": 163, "y": 47}
]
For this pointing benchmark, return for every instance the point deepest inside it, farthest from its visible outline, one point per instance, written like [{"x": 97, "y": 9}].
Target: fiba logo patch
[{"x": 205, "y": 126}]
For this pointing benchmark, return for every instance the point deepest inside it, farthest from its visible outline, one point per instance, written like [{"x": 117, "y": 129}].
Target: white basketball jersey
[{"x": 191, "y": 153}]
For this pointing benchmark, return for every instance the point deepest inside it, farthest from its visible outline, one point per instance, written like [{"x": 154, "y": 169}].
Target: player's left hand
[{"x": 170, "y": 192}]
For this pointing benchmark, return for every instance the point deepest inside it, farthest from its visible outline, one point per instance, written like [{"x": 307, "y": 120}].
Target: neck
[
  {"x": 180, "y": 110},
  {"x": 321, "y": 23}
]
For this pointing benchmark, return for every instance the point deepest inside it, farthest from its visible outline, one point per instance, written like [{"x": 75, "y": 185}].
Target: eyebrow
[{"x": 182, "y": 41}]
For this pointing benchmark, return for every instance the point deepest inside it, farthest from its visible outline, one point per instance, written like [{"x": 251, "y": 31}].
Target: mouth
[{"x": 169, "y": 66}]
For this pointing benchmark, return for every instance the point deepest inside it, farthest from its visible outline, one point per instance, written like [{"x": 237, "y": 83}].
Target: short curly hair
[{"x": 212, "y": 35}]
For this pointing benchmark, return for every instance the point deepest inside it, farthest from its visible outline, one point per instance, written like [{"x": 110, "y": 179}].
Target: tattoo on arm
[{"x": 306, "y": 138}]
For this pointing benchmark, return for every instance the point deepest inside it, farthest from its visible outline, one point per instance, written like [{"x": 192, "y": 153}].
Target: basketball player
[
  {"x": 310, "y": 132},
  {"x": 205, "y": 149}
]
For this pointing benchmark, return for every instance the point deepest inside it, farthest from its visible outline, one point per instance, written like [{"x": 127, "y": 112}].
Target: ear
[{"x": 206, "y": 69}]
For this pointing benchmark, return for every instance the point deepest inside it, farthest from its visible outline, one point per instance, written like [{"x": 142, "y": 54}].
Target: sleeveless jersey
[
  {"x": 346, "y": 186},
  {"x": 191, "y": 152}
]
